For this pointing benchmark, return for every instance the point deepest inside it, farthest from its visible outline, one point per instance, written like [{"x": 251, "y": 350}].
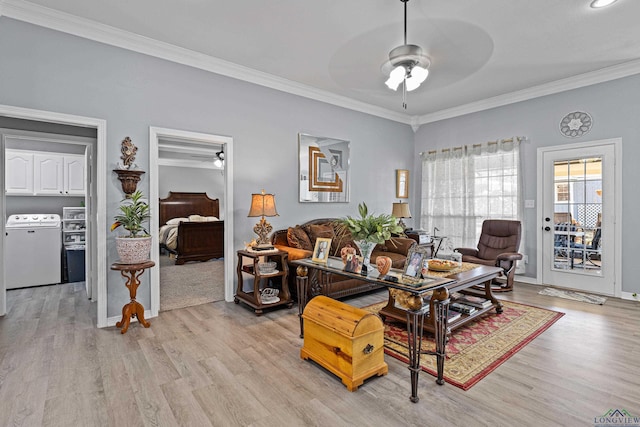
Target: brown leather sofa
[{"x": 299, "y": 242}]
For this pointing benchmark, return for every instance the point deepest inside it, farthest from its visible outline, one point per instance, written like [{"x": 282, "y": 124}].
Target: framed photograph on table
[
  {"x": 353, "y": 263},
  {"x": 402, "y": 184},
  {"x": 413, "y": 264},
  {"x": 321, "y": 250}
]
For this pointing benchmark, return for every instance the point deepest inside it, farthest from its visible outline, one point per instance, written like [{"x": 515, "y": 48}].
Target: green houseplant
[
  {"x": 134, "y": 212},
  {"x": 369, "y": 230}
]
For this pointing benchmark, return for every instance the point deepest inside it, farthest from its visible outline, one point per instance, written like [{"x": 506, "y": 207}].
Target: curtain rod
[{"x": 519, "y": 138}]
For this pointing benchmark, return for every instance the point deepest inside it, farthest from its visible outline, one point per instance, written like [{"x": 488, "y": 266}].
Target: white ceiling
[{"x": 483, "y": 52}]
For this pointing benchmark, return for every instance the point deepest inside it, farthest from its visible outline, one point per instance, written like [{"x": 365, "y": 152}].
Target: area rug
[
  {"x": 478, "y": 348},
  {"x": 190, "y": 284},
  {"x": 572, "y": 295}
]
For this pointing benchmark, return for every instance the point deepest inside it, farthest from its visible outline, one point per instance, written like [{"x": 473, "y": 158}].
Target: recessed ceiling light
[{"x": 601, "y": 3}]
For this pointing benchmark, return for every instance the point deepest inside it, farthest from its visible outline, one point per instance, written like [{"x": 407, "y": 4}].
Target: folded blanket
[{"x": 168, "y": 236}]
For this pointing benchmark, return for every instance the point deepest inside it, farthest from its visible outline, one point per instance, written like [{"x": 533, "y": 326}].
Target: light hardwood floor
[{"x": 218, "y": 364}]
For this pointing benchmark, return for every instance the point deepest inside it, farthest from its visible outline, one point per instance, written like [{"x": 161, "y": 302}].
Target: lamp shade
[
  {"x": 401, "y": 210},
  {"x": 263, "y": 205}
]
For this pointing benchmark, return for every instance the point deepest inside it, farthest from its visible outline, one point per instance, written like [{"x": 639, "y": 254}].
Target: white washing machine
[{"x": 33, "y": 248}]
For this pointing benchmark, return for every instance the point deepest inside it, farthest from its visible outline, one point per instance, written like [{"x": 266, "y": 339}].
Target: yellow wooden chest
[{"x": 345, "y": 340}]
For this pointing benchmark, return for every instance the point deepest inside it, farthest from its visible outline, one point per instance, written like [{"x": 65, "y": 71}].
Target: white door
[
  {"x": 578, "y": 237},
  {"x": 19, "y": 172},
  {"x": 47, "y": 174},
  {"x": 74, "y": 175}
]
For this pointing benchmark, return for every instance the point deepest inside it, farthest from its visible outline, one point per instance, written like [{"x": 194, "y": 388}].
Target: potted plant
[
  {"x": 370, "y": 230},
  {"x": 133, "y": 248}
]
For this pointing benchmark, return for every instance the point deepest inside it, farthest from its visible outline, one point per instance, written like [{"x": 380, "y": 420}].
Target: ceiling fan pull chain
[{"x": 404, "y": 93}]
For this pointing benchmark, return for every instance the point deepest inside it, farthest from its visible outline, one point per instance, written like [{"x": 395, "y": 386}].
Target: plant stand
[{"x": 132, "y": 273}]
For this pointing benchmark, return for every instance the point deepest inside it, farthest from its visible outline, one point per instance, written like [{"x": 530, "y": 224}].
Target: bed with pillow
[{"x": 190, "y": 227}]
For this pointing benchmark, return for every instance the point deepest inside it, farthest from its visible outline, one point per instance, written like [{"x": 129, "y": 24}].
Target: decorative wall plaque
[{"x": 575, "y": 124}]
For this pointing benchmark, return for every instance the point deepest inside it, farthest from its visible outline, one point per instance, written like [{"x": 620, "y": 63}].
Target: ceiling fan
[{"x": 407, "y": 65}]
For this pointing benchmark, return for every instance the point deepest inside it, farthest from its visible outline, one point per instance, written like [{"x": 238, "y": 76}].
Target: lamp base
[{"x": 262, "y": 229}]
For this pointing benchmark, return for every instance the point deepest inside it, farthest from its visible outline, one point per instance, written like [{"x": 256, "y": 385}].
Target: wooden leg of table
[
  {"x": 140, "y": 314},
  {"x": 488, "y": 294},
  {"x": 127, "y": 311}
]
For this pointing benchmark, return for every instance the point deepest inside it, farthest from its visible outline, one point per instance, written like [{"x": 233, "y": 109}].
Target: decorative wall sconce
[
  {"x": 129, "y": 180},
  {"x": 127, "y": 171}
]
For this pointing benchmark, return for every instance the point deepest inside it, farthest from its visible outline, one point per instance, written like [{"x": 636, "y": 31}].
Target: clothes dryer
[{"x": 33, "y": 249}]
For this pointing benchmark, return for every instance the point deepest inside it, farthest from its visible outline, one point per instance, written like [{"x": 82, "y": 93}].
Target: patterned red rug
[{"x": 476, "y": 349}]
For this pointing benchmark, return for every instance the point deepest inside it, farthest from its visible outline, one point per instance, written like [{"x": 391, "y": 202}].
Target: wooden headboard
[{"x": 179, "y": 205}]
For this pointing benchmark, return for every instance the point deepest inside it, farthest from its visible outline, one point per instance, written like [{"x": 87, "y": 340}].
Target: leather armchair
[{"x": 498, "y": 245}]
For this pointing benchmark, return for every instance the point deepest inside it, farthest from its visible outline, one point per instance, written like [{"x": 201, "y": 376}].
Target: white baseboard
[
  {"x": 630, "y": 296},
  {"x": 525, "y": 279}
]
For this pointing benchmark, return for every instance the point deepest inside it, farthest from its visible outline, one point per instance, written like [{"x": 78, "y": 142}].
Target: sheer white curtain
[{"x": 463, "y": 186}]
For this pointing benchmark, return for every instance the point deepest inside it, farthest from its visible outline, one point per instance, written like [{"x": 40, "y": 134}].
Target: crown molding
[
  {"x": 587, "y": 79},
  {"x": 45, "y": 17}
]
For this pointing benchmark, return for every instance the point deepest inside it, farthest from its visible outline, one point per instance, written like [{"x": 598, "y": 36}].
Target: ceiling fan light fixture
[
  {"x": 407, "y": 64},
  {"x": 219, "y": 161},
  {"x": 396, "y": 77},
  {"x": 416, "y": 77},
  {"x": 596, "y": 4}
]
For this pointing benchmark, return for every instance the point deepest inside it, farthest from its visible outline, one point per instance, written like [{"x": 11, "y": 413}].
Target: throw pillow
[
  {"x": 298, "y": 238},
  {"x": 319, "y": 230}
]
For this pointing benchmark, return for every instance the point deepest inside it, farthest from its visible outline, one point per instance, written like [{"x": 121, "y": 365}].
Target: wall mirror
[
  {"x": 323, "y": 169},
  {"x": 402, "y": 184}
]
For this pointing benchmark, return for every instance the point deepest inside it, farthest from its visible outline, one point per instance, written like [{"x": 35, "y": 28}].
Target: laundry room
[{"x": 45, "y": 180}]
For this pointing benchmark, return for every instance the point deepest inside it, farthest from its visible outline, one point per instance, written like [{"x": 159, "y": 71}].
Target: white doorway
[
  {"x": 579, "y": 242},
  {"x": 98, "y": 203},
  {"x": 61, "y": 164},
  {"x": 186, "y": 137}
]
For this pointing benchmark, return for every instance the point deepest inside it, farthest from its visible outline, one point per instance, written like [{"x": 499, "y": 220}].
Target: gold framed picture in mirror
[{"x": 402, "y": 184}]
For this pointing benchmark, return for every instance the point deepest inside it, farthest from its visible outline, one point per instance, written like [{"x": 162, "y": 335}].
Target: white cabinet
[
  {"x": 47, "y": 173},
  {"x": 18, "y": 176},
  {"x": 44, "y": 174},
  {"x": 74, "y": 175}
]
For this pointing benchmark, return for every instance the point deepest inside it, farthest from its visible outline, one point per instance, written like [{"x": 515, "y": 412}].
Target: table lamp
[
  {"x": 262, "y": 205},
  {"x": 401, "y": 210}
]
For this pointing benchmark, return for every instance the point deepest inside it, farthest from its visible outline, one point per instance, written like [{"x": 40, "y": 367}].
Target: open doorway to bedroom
[
  {"x": 191, "y": 235},
  {"x": 191, "y": 202}
]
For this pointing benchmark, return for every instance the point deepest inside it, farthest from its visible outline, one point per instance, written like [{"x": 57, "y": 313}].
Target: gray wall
[
  {"x": 47, "y": 70},
  {"x": 615, "y": 108}
]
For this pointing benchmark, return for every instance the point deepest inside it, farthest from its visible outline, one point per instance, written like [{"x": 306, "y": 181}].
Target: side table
[
  {"x": 132, "y": 273},
  {"x": 254, "y": 297}
]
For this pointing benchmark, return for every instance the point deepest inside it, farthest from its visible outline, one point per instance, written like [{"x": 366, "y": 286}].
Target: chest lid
[{"x": 340, "y": 317}]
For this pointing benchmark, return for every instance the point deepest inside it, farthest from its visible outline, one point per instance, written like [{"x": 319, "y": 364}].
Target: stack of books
[
  {"x": 453, "y": 315},
  {"x": 462, "y": 308},
  {"x": 471, "y": 300}
]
